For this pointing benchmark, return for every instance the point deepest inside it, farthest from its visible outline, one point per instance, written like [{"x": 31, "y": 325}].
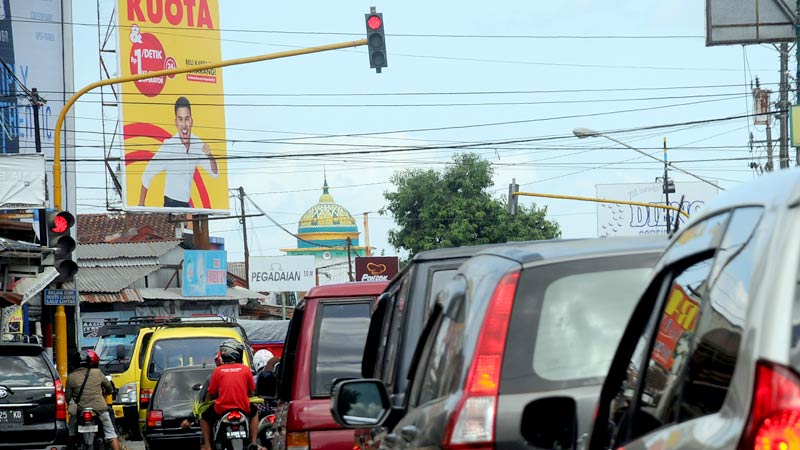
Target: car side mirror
[
  {"x": 360, "y": 403},
  {"x": 550, "y": 422},
  {"x": 197, "y": 386}
]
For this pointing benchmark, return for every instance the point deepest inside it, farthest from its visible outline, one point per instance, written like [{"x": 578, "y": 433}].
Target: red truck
[{"x": 325, "y": 341}]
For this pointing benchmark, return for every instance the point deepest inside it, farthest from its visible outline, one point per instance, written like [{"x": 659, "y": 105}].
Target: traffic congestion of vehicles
[{"x": 684, "y": 342}]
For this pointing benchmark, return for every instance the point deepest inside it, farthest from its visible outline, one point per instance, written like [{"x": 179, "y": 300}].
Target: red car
[{"x": 325, "y": 341}]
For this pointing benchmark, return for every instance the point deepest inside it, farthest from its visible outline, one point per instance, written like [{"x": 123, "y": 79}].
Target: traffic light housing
[
  {"x": 59, "y": 224},
  {"x": 376, "y": 40}
]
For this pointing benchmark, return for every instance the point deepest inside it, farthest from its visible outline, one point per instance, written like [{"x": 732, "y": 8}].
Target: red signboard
[
  {"x": 376, "y": 268},
  {"x": 679, "y": 317}
]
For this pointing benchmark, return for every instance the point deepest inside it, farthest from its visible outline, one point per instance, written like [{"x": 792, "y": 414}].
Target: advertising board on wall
[
  {"x": 629, "y": 220},
  {"x": 376, "y": 268},
  {"x": 282, "y": 273},
  {"x": 205, "y": 273},
  {"x": 32, "y": 47},
  {"x": 174, "y": 127},
  {"x": 22, "y": 182}
]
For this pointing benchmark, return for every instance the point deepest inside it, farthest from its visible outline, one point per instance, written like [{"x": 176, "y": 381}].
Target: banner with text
[
  {"x": 205, "y": 273},
  {"x": 174, "y": 127},
  {"x": 629, "y": 220},
  {"x": 376, "y": 268},
  {"x": 282, "y": 273}
]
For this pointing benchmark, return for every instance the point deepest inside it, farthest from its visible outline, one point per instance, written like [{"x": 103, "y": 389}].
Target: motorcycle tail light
[
  {"x": 234, "y": 415},
  {"x": 87, "y": 416}
]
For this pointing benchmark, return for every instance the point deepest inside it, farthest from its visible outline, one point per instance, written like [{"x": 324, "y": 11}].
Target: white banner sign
[
  {"x": 629, "y": 220},
  {"x": 282, "y": 273},
  {"x": 22, "y": 182}
]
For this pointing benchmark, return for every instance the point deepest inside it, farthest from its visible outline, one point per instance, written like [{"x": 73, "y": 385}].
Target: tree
[{"x": 453, "y": 209}]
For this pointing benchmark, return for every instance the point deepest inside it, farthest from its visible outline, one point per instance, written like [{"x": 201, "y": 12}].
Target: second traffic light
[
  {"x": 376, "y": 40},
  {"x": 59, "y": 224}
]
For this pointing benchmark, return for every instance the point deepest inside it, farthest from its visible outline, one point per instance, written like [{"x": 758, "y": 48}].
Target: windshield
[
  {"x": 115, "y": 352},
  {"x": 181, "y": 352}
]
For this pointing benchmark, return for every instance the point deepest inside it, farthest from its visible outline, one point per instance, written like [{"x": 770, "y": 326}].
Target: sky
[{"x": 461, "y": 73}]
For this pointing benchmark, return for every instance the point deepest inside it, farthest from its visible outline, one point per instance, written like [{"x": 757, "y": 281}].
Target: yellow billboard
[{"x": 173, "y": 127}]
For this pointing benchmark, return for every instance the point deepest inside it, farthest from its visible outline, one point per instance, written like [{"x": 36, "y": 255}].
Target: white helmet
[{"x": 260, "y": 359}]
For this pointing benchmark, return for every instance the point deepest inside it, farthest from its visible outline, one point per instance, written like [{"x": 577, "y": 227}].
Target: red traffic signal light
[
  {"x": 376, "y": 40},
  {"x": 59, "y": 224},
  {"x": 374, "y": 22}
]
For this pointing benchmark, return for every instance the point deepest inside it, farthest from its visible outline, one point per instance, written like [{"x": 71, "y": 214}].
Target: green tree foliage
[{"x": 453, "y": 208}]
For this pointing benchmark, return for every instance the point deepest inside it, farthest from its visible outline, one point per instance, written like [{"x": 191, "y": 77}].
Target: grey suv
[
  {"x": 33, "y": 409},
  {"x": 711, "y": 356},
  {"x": 515, "y": 323}
]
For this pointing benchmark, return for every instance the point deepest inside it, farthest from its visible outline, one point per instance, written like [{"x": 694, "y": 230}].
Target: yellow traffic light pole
[
  {"x": 60, "y": 314},
  {"x": 602, "y": 200}
]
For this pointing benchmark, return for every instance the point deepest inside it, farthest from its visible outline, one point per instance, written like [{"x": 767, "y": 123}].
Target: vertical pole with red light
[{"x": 376, "y": 40}]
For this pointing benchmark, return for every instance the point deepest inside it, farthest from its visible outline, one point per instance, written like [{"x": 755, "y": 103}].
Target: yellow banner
[{"x": 174, "y": 127}]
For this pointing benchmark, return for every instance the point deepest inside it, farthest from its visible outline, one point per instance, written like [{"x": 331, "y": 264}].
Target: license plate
[
  {"x": 87, "y": 428},
  {"x": 236, "y": 434},
  {"x": 11, "y": 416}
]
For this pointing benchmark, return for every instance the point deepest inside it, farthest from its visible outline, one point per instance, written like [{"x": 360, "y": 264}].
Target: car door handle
[{"x": 409, "y": 433}]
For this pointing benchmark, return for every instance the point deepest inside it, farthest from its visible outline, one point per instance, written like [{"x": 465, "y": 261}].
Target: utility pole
[
  {"x": 244, "y": 236},
  {"x": 349, "y": 260},
  {"x": 666, "y": 184},
  {"x": 366, "y": 233},
  {"x": 762, "y": 117},
  {"x": 36, "y": 103},
  {"x": 783, "y": 104}
]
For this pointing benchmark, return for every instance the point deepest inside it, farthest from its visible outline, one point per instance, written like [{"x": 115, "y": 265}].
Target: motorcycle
[
  {"x": 232, "y": 431},
  {"x": 266, "y": 431},
  {"x": 90, "y": 430}
]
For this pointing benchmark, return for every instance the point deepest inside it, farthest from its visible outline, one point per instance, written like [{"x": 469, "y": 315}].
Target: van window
[
  {"x": 24, "y": 371},
  {"x": 181, "y": 352},
  {"x": 115, "y": 352},
  {"x": 568, "y": 319},
  {"x": 339, "y": 343}
]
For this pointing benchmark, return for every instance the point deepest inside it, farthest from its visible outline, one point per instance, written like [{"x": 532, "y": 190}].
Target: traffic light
[
  {"x": 376, "y": 40},
  {"x": 59, "y": 240}
]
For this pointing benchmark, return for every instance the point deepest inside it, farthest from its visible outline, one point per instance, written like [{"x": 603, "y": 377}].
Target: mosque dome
[{"x": 327, "y": 223}]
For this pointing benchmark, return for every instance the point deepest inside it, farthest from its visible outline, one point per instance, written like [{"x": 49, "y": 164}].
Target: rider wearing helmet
[
  {"x": 231, "y": 387},
  {"x": 86, "y": 386}
]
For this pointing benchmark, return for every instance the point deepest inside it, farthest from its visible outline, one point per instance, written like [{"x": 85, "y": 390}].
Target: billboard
[
  {"x": 730, "y": 22},
  {"x": 32, "y": 47},
  {"x": 282, "y": 273},
  {"x": 174, "y": 127},
  {"x": 678, "y": 321},
  {"x": 22, "y": 182},
  {"x": 376, "y": 268},
  {"x": 629, "y": 220},
  {"x": 205, "y": 273}
]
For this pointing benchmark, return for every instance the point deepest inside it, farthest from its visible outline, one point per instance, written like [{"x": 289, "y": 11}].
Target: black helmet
[
  {"x": 231, "y": 351},
  {"x": 81, "y": 359}
]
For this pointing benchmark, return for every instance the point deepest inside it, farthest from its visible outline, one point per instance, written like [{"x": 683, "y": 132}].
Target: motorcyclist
[
  {"x": 231, "y": 387},
  {"x": 96, "y": 386}
]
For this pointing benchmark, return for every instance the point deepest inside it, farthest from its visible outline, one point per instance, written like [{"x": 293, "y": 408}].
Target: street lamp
[{"x": 582, "y": 133}]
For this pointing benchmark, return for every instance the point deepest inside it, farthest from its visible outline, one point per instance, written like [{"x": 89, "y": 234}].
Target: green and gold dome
[{"x": 324, "y": 228}]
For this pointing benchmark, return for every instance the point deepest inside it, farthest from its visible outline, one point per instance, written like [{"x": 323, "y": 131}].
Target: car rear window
[
  {"x": 568, "y": 319},
  {"x": 180, "y": 352},
  {"x": 175, "y": 390},
  {"x": 24, "y": 371},
  {"x": 339, "y": 346}
]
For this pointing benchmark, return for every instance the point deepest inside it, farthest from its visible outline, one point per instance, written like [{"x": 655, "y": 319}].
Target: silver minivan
[{"x": 711, "y": 355}]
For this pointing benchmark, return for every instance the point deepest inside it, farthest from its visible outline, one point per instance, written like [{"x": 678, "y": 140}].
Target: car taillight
[
  {"x": 61, "y": 401},
  {"x": 144, "y": 397},
  {"x": 154, "y": 418},
  {"x": 775, "y": 412},
  {"x": 297, "y": 440},
  {"x": 472, "y": 422},
  {"x": 87, "y": 416}
]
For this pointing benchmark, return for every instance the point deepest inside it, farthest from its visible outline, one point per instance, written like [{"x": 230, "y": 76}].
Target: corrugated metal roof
[
  {"x": 124, "y": 296},
  {"x": 119, "y": 262},
  {"x": 125, "y": 250},
  {"x": 238, "y": 269},
  {"x": 110, "y": 279},
  {"x": 175, "y": 294}
]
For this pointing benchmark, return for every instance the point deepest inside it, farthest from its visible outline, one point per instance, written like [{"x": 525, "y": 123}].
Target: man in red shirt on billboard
[{"x": 231, "y": 387}]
